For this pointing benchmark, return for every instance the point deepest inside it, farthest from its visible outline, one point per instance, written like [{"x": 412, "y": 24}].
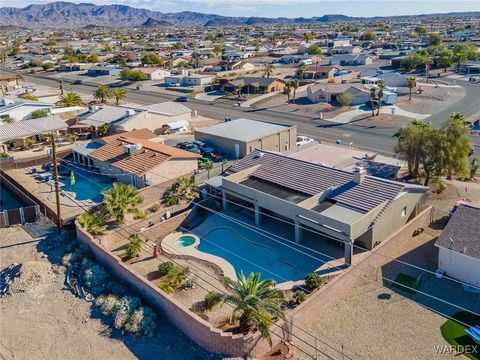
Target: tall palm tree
[
  {"x": 268, "y": 70},
  {"x": 60, "y": 85},
  {"x": 120, "y": 200},
  {"x": 70, "y": 99},
  {"x": 411, "y": 83},
  {"x": 373, "y": 97},
  {"x": 301, "y": 71},
  {"x": 256, "y": 303},
  {"x": 381, "y": 88},
  {"x": 295, "y": 85},
  {"x": 238, "y": 89},
  {"x": 102, "y": 93},
  {"x": 119, "y": 94},
  {"x": 288, "y": 90}
]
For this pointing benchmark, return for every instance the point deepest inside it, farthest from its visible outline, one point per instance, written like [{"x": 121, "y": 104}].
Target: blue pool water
[
  {"x": 88, "y": 185},
  {"x": 341, "y": 72},
  {"x": 185, "y": 241},
  {"x": 7, "y": 201},
  {"x": 253, "y": 252}
]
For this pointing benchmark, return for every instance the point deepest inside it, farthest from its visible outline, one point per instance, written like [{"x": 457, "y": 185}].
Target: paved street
[{"x": 377, "y": 138}]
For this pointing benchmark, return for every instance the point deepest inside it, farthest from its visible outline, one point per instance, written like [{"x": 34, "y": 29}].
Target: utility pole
[{"x": 55, "y": 176}]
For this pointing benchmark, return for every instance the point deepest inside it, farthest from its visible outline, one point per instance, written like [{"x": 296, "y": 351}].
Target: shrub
[
  {"x": 313, "y": 281},
  {"x": 40, "y": 113},
  {"x": 212, "y": 298},
  {"x": 166, "y": 287},
  {"x": 165, "y": 267},
  {"x": 142, "y": 321},
  {"x": 108, "y": 304},
  {"x": 345, "y": 99},
  {"x": 154, "y": 208},
  {"x": 140, "y": 214},
  {"x": 299, "y": 296},
  {"x": 126, "y": 306},
  {"x": 171, "y": 200},
  {"x": 134, "y": 246},
  {"x": 95, "y": 278},
  {"x": 437, "y": 185}
]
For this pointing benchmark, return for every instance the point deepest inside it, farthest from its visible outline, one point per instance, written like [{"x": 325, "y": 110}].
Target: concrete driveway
[{"x": 346, "y": 117}]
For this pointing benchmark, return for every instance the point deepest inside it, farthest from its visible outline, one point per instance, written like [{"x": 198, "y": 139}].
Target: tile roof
[
  {"x": 463, "y": 229},
  {"x": 312, "y": 179},
  {"x": 148, "y": 157},
  {"x": 138, "y": 134}
]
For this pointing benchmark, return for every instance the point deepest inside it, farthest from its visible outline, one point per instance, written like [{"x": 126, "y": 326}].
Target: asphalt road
[{"x": 374, "y": 138}]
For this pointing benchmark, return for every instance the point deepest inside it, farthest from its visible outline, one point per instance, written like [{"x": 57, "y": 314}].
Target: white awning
[{"x": 26, "y": 128}]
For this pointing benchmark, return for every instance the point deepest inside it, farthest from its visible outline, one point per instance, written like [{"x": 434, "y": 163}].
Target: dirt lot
[
  {"x": 432, "y": 100},
  {"x": 42, "y": 320}
]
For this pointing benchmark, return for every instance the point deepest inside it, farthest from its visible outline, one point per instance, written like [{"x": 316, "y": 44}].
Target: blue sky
[{"x": 287, "y": 8}]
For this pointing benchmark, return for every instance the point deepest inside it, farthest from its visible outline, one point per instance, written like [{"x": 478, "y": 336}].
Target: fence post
[
  {"x": 5, "y": 217},
  {"x": 22, "y": 215},
  {"x": 37, "y": 213}
]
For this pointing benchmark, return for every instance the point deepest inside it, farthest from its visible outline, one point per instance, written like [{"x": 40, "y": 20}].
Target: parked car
[
  {"x": 182, "y": 99},
  {"x": 77, "y": 82},
  {"x": 372, "y": 104},
  {"x": 188, "y": 146},
  {"x": 302, "y": 140}
]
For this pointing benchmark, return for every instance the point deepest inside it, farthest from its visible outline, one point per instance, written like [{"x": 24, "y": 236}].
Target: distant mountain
[
  {"x": 152, "y": 23},
  {"x": 69, "y": 15}
]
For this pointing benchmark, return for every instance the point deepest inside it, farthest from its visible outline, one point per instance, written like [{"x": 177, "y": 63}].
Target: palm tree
[
  {"x": 102, "y": 93},
  {"x": 185, "y": 188},
  {"x": 208, "y": 166},
  {"x": 134, "y": 246},
  {"x": 103, "y": 129},
  {"x": 257, "y": 302},
  {"x": 70, "y": 99},
  {"x": 238, "y": 89},
  {"x": 92, "y": 223},
  {"x": 268, "y": 70},
  {"x": 295, "y": 85},
  {"x": 411, "y": 83},
  {"x": 288, "y": 90},
  {"x": 120, "y": 200},
  {"x": 373, "y": 97},
  {"x": 119, "y": 94},
  {"x": 301, "y": 70},
  {"x": 176, "y": 276},
  {"x": 381, "y": 88},
  {"x": 60, "y": 85}
]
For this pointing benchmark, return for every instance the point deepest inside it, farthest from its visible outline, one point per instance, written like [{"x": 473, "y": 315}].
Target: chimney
[{"x": 358, "y": 174}]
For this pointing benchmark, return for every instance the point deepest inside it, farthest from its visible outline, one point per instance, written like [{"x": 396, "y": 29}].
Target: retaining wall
[{"x": 196, "y": 328}]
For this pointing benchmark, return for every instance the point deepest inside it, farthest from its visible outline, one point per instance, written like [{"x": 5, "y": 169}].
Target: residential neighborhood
[{"x": 262, "y": 181}]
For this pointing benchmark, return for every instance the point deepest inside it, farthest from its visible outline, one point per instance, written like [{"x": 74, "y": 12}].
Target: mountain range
[{"x": 69, "y": 15}]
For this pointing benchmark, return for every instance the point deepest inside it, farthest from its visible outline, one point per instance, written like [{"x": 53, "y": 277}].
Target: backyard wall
[
  {"x": 196, "y": 328},
  {"x": 365, "y": 270}
]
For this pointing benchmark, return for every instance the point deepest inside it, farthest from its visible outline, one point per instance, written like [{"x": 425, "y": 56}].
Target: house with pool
[{"x": 350, "y": 207}]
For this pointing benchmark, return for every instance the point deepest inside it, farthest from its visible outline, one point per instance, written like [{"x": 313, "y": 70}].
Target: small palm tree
[
  {"x": 103, "y": 129},
  {"x": 373, "y": 97},
  {"x": 102, "y": 93},
  {"x": 208, "y": 165},
  {"x": 268, "y": 70},
  {"x": 119, "y": 94},
  {"x": 70, "y": 99},
  {"x": 134, "y": 246},
  {"x": 380, "y": 93},
  {"x": 185, "y": 188},
  {"x": 120, "y": 200},
  {"x": 92, "y": 223},
  {"x": 301, "y": 71},
  {"x": 295, "y": 85},
  {"x": 288, "y": 90},
  {"x": 176, "y": 276},
  {"x": 256, "y": 303},
  {"x": 60, "y": 85},
  {"x": 238, "y": 90},
  {"x": 411, "y": 83}
]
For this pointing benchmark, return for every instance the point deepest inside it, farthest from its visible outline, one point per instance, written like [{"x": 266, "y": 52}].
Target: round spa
[{"x": 185, "y": 241}]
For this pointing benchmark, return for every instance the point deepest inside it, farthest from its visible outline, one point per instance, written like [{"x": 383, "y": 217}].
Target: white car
[{"x": 302, "y": 140}]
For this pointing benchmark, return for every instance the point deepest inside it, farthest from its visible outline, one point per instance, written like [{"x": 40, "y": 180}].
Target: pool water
[
  {"x": 185, "y": 241},
  {"x": 88, "y": 185},
  {"x": 253, "y": 252}
]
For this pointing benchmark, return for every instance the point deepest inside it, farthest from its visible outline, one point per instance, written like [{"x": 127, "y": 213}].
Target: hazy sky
[{"x": 287, "y": 8}]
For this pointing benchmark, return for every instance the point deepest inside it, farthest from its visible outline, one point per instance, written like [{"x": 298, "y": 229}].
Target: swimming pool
[
  {"x": 249, "y": 251},
  {"x": 88, "y": 185}
]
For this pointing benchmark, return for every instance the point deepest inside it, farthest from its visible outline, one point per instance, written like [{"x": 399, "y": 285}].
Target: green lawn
[
  {"x": 454, "y": 332},
  {"x": 406, "y": 283}
]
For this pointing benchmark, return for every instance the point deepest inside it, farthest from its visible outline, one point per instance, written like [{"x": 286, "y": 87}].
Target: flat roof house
[
  {"x": 140, "y": 162},
  {"x": 254, "y": 85},
  {"x": 459, "y": 246},
  {"x": 327, "y": 92},
  {"x": 104, "y": 70},
  {"x": 240, "y": 137},
  {"x": 350, "y": 207},
  {"x": 19, "y": 109}
]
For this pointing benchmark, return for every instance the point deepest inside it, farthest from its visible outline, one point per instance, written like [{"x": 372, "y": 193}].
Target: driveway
[{"x": 347, "y": 117}]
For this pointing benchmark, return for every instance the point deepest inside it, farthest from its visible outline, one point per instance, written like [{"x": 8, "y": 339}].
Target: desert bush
[
  {"x": 313, "y": 281},
  {"x": 165, "y": 267},
  {"x": 299, "y": 296},
  {"x": 126, "y": 306},
  {"x": 437, "y": 185},
  {"x": 154, "y": 208},
  {"x": 166, "y": 287},
  {"x": 108, "y": 304},
  {"x": 345, "y": 99},
  {"x": 140, "y": 214},
  {"x": 171, "y": 200},
  {"x": 142, "y": 321},
  {"x": 213, "y": 298},
  {"x": 95, "y": 278},
  {"x": 134, "y": 246}
]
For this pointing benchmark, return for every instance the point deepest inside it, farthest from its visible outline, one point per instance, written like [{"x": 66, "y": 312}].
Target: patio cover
[{"x": 27, "y": 128}]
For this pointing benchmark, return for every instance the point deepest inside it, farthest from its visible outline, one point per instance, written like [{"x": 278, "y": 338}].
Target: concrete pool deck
[{"x": 170, "y": 246}]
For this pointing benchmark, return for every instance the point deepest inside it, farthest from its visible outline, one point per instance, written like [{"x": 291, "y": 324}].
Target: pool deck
[
  {"x": 170, "y": 246},
  {"x": 44, "y": 192}
]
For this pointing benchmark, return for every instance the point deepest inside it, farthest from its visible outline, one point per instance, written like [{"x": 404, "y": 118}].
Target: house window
[{"x": 404, "y": 211}]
